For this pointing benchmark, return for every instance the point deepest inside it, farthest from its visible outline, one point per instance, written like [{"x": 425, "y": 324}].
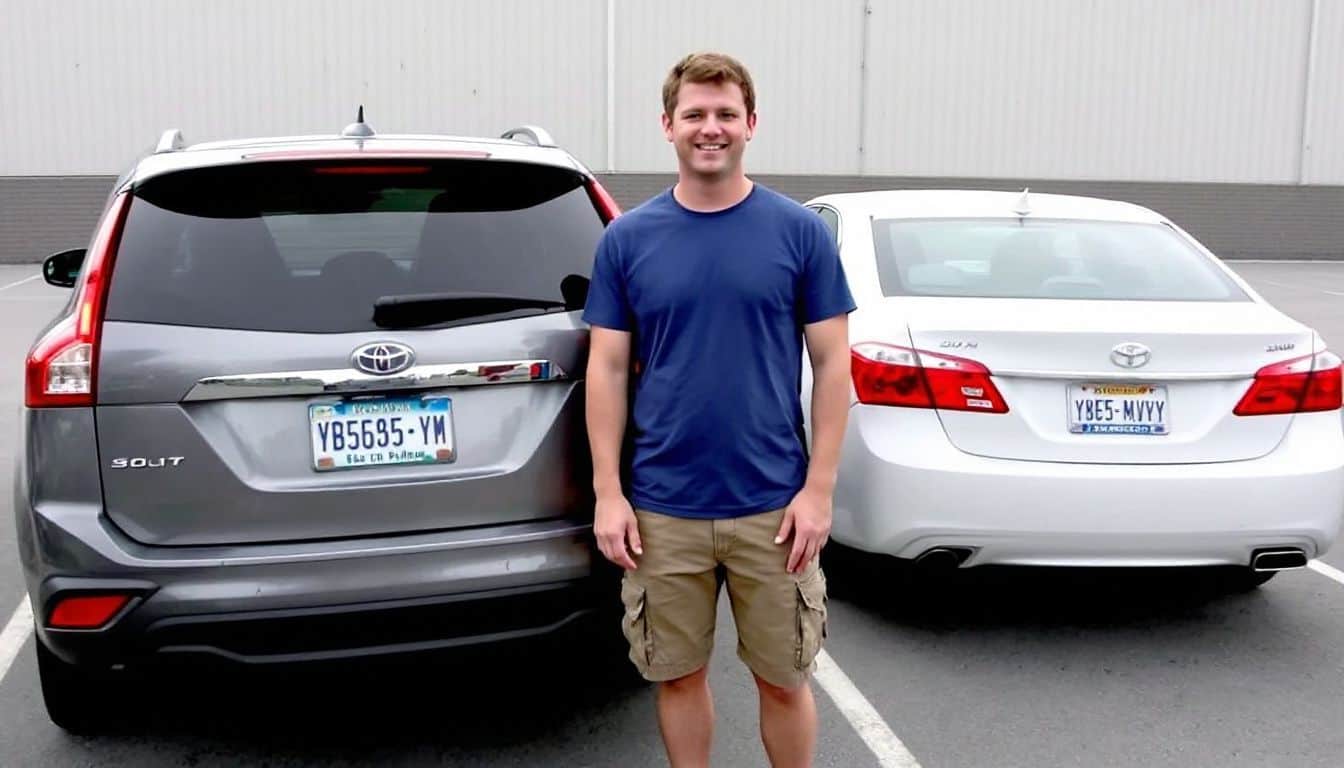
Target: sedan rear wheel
[{"x": 1245, "y": 579}]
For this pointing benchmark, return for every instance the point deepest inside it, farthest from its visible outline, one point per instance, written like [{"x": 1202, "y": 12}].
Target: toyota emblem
[
  {"x": 1131, "y": 355},
  {"x": 383, "y": 358}
]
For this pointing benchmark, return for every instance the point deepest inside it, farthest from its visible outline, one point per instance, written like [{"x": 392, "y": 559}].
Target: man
[{"x": 712, "y": 286}]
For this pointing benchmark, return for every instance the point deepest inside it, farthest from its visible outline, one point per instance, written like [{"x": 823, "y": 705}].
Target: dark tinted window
[
  {"x": 311, "y": 247},
  {"x": 1045, "y": 259}
]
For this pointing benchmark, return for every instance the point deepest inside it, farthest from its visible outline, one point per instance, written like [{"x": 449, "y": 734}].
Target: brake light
[
  {"x": 86, "y": 611},
  {"x": 889, "y": 375},
  {"x": 1300, "y": 385},
  {"x": 606, "y": 204},
  {"x": 370, "y": 170},
  {"x": 359, "y": 154},
  {"x": 62, "y": 365}
]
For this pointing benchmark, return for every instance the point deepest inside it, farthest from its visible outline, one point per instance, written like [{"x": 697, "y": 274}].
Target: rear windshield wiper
[{"x": 421, "y": 309}]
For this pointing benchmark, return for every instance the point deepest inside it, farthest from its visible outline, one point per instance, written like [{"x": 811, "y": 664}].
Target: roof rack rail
[
  {"x": 170, "y": 141},
  {"x": 531, "y": 134}
]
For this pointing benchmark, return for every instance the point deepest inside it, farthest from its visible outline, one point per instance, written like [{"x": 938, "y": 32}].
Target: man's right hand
[{"x": 614, "y": 525}]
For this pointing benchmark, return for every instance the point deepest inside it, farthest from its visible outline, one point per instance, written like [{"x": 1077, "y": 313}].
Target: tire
[
  {"x": 76, "y": 698},
  {"x": 607, "y": 652},
  {"x": 853, "y": 574},
  {"x": 1246, "y": 580}
]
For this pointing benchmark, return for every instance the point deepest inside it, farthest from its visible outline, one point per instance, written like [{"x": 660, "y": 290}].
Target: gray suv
[{"x": 313, "y": 398}]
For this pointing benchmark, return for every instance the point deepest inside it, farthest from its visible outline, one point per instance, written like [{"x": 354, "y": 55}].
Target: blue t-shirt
[{"x": 716, "y": 303}]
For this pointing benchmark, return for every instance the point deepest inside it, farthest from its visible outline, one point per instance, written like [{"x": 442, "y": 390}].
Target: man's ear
[
  {"x": 751, "y": 125},
  {"x": 667, "y": 126}
]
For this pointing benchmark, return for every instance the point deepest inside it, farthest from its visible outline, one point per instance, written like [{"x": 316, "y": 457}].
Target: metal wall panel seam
[
  {"x": 1304, "y": 147},
  {"x": 864, "y": 29},
  {"x": 611, "y": 85}
]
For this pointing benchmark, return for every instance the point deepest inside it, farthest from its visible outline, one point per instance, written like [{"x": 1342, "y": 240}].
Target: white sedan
[{"x": 1065, "y": 381}]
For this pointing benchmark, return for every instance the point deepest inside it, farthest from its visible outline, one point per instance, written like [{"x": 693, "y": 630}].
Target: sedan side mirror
[{"x": 62, "y": 269}]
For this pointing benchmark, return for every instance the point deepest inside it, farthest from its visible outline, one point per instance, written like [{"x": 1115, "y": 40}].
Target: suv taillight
[
  {"x": 602, "y": 200},
  {"x": 890, "y": 375},
  {"x": 1300, "y": 385},
  {"x": 61, "y": 366}
]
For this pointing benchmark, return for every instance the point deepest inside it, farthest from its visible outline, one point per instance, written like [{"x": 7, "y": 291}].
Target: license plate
[
  {"x": 354, "y": 434},
  {"x": 1118, "y": 409}
]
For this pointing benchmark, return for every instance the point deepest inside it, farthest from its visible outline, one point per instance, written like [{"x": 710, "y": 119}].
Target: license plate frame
[
  {"x": 378, "y": 446},
  {"x": 1142, "y": 409}
]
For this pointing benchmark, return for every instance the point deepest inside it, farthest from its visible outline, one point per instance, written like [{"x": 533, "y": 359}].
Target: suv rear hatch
[{"x": 335, "y": 348}]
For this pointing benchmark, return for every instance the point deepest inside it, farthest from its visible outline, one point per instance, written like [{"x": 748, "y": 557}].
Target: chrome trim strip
[
  {"x": 1146, "y": 376},
  {"x": 345, "y": 380}
]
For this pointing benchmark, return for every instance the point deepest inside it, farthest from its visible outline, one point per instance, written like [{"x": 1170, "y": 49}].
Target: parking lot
[{"x": 1005, "y": 667}]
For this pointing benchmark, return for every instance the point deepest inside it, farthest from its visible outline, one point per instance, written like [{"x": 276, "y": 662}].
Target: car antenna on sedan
[
  {"x": 1023, "y": 207},
  {"x": 358, "y": 129}
]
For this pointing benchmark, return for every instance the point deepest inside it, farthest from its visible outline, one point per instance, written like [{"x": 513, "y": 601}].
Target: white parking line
[
  {"x": 1328, "y": 571},
  {"x": 21, "y": 282},
  {"x": 14, "y": 635},
  {"x": 874, "y": 731},
  {"x": 1299, "y": 287}
]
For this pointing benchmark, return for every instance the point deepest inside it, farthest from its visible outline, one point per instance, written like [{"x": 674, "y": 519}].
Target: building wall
[
  {"x": 1224, "y": 111},
  {"x": 1123, "y": 90}
]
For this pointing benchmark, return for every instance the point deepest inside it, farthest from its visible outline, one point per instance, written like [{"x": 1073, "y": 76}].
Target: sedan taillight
[
  {"x": 1300, "y": 385},
  {"x": 889, "y": 375}
]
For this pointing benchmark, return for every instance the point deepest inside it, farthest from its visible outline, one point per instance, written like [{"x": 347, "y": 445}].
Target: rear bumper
[
  {"x": 312, "y": 601},
  {"x": 904, "y": 489}
]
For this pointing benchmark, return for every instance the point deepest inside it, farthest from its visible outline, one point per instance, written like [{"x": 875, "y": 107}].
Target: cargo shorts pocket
[
  {"x": 811, "y": 619},
  {"x": 635, "y": 622}
]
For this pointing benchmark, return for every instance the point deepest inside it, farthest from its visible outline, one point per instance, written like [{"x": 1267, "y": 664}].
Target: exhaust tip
[
  {"x": 943, "y": 557},
  {"x": 1278, "y": 560}
]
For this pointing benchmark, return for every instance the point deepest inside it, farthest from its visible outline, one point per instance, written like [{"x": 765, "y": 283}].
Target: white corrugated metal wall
[{"x": 1145, "y": 90}]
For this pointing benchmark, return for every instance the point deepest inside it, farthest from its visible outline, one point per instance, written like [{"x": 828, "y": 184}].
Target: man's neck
[{"x": 709, "y": 196}]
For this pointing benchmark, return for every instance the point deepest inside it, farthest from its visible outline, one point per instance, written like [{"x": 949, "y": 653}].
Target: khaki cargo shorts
[{"x": 670, "y": 600}]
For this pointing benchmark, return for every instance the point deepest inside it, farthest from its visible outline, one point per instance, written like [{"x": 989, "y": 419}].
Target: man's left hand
[{"x": 808, "y": 518}]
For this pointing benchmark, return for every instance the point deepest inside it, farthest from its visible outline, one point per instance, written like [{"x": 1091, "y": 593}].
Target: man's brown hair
[{"x": 707, "y": 67}]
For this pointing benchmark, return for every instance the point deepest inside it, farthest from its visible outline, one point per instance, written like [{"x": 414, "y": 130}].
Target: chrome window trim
[{"x": 344, "y": 380}]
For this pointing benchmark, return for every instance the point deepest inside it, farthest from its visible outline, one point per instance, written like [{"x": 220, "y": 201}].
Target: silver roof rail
[
  {"x": 170, "y": 141},
  {"x": 532, "y": 134}
]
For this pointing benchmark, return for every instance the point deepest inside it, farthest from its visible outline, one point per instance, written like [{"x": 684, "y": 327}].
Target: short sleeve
[
  {"x": 825, "y": 290},
  {"x": 608, "y": 302}
]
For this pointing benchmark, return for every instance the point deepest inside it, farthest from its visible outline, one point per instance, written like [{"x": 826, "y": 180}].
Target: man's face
[{"x": 710, "y": 129}]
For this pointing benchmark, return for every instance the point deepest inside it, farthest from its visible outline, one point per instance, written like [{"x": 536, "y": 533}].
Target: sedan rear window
[
  {"x": 312, "y": 247},
  {"x": 1045, "y": 259}
]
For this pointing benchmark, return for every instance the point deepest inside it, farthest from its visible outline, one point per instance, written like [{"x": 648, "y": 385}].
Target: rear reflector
[
  {"x": 1300, "y": 385},
  {"x": 889, "y": 375},
  {"x": 86, "y": 611}
]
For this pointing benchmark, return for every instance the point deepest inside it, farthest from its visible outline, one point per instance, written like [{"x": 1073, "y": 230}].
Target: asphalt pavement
[{"x": 1002, "y": 667}]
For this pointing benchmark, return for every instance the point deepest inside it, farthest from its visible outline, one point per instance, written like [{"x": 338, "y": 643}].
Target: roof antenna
[
  {"x": 1023, "y": 207},
  {"x": 358, "y": 129}
]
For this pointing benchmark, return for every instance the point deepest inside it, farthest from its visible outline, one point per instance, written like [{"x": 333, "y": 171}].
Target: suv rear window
[
  {"x": 1044, "y": 259},
  {"x": 309, "y": 247}
]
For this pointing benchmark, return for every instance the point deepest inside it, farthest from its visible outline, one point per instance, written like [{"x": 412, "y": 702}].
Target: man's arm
[
  {"x": 809, "y": 514},
  {"x": 607, "y": 402}
]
